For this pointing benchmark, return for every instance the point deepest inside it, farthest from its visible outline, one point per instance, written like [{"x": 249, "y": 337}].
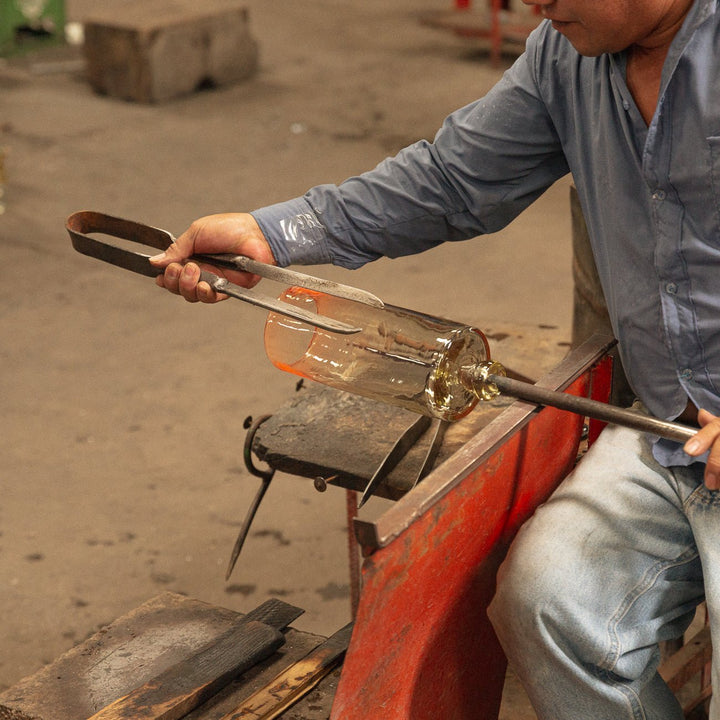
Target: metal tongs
[{"x": 79, "y": 224}]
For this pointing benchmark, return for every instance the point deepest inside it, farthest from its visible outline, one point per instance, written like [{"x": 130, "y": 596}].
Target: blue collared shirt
[{"x": 650, "y": 196}]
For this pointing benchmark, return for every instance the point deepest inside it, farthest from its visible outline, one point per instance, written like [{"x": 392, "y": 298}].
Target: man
[{"x": 625, "y": 94}]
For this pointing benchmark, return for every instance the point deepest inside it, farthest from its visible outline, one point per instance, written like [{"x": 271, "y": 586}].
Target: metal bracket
[{"x": 266, "y": 477}]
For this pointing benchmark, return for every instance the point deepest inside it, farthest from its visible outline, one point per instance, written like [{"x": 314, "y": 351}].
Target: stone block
[{"x": 155, "y": 50}]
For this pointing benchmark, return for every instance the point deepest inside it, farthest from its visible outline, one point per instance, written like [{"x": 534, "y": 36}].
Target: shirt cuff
[{"x": 294, "y": 233}]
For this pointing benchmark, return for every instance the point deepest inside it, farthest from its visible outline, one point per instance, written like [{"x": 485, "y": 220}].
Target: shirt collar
[{"x": 700, "y": 12}]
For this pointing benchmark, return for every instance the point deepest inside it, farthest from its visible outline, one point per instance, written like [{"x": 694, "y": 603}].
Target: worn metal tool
[
  {"x": 491, "y": 375},
  {"x": 400, "y": 449},
  {"x": 80, "y": 224},
  {"x": 266, "y": 477}
]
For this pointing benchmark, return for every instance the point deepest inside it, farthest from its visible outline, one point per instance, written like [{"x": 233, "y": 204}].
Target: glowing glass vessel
[{"x": 400, "y": 357}]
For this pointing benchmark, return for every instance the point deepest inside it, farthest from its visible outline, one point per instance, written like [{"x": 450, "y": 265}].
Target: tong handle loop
[
  {"x": 86, "y": 221},
  {"x": 81, "y": 223}
]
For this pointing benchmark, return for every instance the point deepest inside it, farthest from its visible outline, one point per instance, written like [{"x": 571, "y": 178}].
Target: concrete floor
[{"x": 121, "y": 432}]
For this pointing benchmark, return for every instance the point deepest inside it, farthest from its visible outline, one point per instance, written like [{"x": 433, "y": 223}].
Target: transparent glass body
[{"x": 400, "y": 357}]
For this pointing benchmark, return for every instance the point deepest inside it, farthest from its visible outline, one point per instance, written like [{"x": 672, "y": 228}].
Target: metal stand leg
[{"x": 353, "y": 551}]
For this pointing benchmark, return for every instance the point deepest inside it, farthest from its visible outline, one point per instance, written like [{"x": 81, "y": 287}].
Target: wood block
[
  {"x": 154, "y": 50},
  {"x": 185, "y": 686},
  {"x": 695, "y": 654},
  {"x": 142, "y": 645}
]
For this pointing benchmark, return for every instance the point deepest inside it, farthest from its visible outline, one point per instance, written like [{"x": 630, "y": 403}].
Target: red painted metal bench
[{"x": 422, "y": 645}]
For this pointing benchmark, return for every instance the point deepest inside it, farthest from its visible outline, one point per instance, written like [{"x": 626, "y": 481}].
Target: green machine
[{"x": 26, "y": 24}]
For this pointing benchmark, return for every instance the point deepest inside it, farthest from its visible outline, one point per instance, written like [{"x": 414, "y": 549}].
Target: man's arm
[{"x": 488, "y": 162}]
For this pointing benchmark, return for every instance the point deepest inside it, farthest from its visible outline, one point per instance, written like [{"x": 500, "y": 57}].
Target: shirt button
[
  {"x": 686, "y": 374},
  {"x": 671, "y": 288},
  {"x": 659, "y": 194}
]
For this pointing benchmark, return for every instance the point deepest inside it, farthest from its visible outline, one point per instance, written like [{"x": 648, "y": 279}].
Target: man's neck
[
  {"x": 647, "y": 57},
  {"x": 644, "y": 71}
]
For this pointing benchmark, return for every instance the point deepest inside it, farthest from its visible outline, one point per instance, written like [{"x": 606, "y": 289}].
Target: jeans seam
[
  {"x": 649, "y": 579},
  {"x": 629, "y": 695}
]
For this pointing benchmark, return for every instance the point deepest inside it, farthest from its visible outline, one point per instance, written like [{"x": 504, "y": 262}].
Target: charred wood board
[
  {"x": 187, "y": 684},
  {"x": 138, "y": 647},
  {"x": 184, "y": 686},
  {"x": 275, "y": 613},
  {"x": 343, "y": 438},
  {"x": 290, "y": 685}
]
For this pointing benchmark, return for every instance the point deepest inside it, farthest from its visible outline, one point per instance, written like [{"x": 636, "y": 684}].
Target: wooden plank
[
  {"x": 133, "y": 649},
  {"x": 274, "y": 612},
  {"x": 295, "y": 682},
  {"x": 186, "y": 685},
  {"x": 317, "y": 704},
  {"x": 688, "y": 661}
]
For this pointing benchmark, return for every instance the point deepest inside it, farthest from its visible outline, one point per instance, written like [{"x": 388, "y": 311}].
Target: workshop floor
[{"x": 122, "y": 407}]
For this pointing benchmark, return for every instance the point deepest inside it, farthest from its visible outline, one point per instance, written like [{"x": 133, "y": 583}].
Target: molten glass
[{"x": 401, "y": 357}]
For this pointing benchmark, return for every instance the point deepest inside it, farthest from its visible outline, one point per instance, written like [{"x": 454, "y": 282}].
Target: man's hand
[
  {"x": 707, "y": 438},
  {"x": 235, "y": 233}
]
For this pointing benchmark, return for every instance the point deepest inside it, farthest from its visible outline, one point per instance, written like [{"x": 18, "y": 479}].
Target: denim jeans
[{"x": 614, "y": 562}]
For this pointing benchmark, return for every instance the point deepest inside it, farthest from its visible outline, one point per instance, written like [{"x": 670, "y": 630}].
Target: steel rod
[{"x": 592, "y": 408}]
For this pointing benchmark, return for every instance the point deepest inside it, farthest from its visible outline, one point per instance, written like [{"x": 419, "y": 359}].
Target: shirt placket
[{"x": 678, "y": 315}]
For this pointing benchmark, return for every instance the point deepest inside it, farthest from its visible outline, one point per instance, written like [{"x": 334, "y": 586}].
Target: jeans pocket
[{"x": 702, "y": 497}]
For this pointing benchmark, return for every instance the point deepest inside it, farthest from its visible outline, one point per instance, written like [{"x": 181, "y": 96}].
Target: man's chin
[{"x": 578, "y": 38}]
